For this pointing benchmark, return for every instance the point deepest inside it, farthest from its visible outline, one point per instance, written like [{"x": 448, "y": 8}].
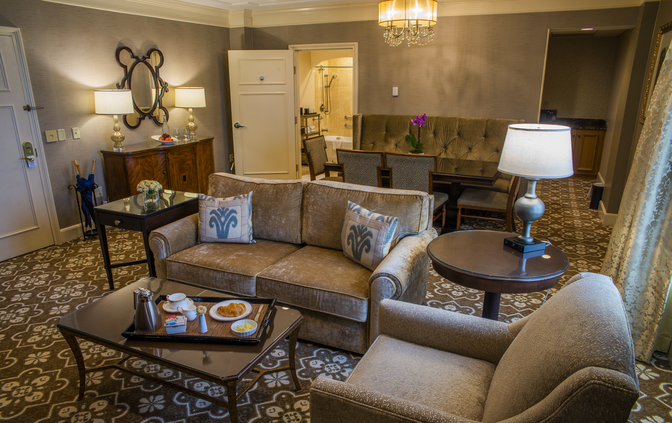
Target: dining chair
[
  {"x": 490, "y": 201},
  {"x": 413, "y": 171},
  {"x": 316, "y": 154},
  {"x": 361, "y": 167}
]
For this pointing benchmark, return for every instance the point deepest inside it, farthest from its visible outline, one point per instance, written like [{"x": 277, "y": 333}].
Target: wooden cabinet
[
  {"x": 180, "y": 167},
  {"x": 587, "y": 147}
]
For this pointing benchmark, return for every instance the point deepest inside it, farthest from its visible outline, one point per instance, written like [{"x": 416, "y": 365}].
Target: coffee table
[
  {"x": 103, "y": 321},
  {"x": 479, "y": 260}
]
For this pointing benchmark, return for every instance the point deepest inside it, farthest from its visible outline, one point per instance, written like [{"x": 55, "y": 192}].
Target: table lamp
[
  {"x": 190, "y": 97},
  {"x": 534, "y": 151},
  {"x": 114, "y": 102}
]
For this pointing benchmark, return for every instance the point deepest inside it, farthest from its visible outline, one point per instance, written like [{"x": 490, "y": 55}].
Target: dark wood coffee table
[
  {"x": 103, "y": 321},
  {"x": 479, "y": 260}
]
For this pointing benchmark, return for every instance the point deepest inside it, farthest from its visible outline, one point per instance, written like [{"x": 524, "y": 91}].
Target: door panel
[
  {"x": 262, "y": 108},
  {"x": 182, "y": 174}
]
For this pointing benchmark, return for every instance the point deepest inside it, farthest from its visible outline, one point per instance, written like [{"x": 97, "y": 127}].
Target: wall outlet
[
  {"x": 75, "y": 134},
  {"x": 51, "y": 136},
  {"x": 61, "y": 134},
  {"x": 99, "y": 192}
]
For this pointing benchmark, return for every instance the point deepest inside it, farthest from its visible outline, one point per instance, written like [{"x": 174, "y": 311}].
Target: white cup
[
  {"x": 177, "y": 300},
  {"x": 188, "y": 311}
]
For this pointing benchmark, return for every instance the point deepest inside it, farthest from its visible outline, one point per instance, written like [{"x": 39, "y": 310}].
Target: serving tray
[{"x": 218, "y": 332}]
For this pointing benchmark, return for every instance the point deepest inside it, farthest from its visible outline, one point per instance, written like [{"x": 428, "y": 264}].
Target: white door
[
  {"x": 24, "y": 218},
  {"x": 262, "y": 108}
]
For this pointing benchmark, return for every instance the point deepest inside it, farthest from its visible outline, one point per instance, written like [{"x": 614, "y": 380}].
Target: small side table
[
  {"x": 131, "y": 215},
  {"x": 479, "y": 260}
]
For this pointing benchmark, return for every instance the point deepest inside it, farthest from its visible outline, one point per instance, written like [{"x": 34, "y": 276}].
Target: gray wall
[
  {"x": 70, "y": 53},
  {"x": 578, "y": 76}
]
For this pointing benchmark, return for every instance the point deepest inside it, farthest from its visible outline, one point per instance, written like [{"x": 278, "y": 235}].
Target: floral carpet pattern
[{"x": 38, "y": 375}]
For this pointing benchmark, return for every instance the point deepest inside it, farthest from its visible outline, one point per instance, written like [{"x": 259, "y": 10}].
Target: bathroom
[{"x": 326, "y": 97}]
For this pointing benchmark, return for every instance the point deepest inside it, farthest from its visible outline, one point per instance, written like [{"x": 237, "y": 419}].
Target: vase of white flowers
[{"x": 150, "y": 194}]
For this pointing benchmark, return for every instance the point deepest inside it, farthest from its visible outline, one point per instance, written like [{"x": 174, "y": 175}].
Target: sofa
[
  {"x": 449, "y": 138},
  {"x": 297, "y": 257},
  {"x": 571, "y": 360}
]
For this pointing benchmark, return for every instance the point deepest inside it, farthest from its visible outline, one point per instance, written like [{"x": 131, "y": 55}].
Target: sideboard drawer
[{"x": 123, "y": 222}]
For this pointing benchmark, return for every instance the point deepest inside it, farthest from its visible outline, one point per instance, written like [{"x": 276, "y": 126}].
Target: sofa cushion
[
  {"x": 276, "y": 205},
  {"x": 228, "y": 267},
  {"x": 366, "y": 237},
  {"x": 225, "y": 219},
  {"x": 441, "y": 380},
  {"x": 325, "y": 203},
  {"x": 318, "y": 279}
]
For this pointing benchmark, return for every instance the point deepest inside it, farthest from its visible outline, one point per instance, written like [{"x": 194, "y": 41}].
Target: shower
[{"x": 326, "y": 94}]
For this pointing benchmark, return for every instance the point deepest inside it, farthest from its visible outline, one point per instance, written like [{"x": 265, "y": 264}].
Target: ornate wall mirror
[
  {"x": 659, "y": 51},
  {"x": 141, "y": 76}
]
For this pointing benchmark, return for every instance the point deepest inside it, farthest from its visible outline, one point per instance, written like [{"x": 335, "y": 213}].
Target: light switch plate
[
  {"x": 395, "y": 91},
  {"x": 50, "y": 136},
  {"x": 61, "y": 134},
  {"x": 75, "y": 133}
]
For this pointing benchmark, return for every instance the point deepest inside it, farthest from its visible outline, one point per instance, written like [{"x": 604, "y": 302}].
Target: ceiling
[{"x": 270, "y": 4}]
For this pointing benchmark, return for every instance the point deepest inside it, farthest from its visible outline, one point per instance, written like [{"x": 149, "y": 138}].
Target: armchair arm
[
  {"x": 403, "y": 274},
  {"x": 461, "y": 334},
  {"x": 335, "y": 401},
  {"x": 172, "y": 238}
]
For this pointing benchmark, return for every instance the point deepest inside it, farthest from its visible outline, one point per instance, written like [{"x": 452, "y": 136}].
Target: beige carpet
[{"x": 38, "y": 375}]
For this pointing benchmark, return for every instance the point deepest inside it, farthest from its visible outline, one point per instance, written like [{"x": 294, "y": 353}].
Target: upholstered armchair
[{"x": 572, "y": 360}]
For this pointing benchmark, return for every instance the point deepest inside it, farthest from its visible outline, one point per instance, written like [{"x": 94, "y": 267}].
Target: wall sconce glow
[
  {"x": 190, "y": 97},
  {"x": 587, "y": 29},
  {"x": 412, "y": 20},
  {"x": 114, "y": 102}
]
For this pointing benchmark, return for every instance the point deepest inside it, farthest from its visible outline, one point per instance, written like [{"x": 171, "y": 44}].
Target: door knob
[
  {"x": 261, "y": 78},
  {"x": 237, "y": 125}
]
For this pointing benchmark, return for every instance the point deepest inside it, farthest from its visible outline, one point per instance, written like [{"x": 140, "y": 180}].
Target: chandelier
[{"x": 412, "y": 20}]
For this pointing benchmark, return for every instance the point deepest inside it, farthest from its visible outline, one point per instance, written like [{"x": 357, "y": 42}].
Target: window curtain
[{"x": 640, "y": 249}]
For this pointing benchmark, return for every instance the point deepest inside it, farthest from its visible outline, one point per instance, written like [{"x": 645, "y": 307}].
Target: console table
[
  {"x": 479, "y": 260},
  {"x": 183, "y": 166}
]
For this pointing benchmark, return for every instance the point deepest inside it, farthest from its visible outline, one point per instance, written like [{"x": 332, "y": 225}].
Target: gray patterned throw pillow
[
  {"x": 225, "y": 219},
  {"x": 366, "y": 236}
]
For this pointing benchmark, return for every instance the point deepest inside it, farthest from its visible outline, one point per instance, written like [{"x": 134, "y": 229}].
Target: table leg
[
  {"x": 102, "y": 236},
  {"x": 491, "y": 305},
  {"x": 79, "y": 359},
  {"x": 148, "y": 253},
  {"x": 454, "y": 194},
  {"x": 233, "y": 406},
  {"x": 292, "y": 356}
]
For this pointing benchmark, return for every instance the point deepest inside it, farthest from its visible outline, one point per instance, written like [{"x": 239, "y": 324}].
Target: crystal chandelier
[{"x": 412, "y": 20}]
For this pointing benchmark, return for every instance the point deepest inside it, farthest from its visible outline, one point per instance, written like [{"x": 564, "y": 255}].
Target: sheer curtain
[{"x": 640, "y": 250}]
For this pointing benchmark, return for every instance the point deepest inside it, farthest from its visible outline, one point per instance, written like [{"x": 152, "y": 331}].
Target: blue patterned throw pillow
[
  {"x": 366, "y": 236},
  {"x": 225, "y": 219}
]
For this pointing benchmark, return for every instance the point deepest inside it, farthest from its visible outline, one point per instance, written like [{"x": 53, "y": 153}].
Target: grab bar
[
  {"x": 348, "y": 126},
  {"x": 348, "y": 117}
]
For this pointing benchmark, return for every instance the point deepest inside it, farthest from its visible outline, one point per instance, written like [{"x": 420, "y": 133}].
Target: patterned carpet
[{"x": 38, "y": 379}]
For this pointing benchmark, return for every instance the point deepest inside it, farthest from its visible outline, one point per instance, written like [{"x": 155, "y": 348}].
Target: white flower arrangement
[{"x": 148, "y": 185}]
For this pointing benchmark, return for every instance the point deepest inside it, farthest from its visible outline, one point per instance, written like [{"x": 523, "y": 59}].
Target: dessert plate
[{"x": 217, "y": 316}]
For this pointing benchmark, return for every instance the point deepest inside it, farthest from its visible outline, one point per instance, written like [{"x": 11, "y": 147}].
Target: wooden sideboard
[
  {"x": 587, "y": 145},
  {"x": 184, "y": 166}
]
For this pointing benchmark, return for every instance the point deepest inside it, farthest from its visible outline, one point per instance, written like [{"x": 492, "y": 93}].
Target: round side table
[{"x": 479, "y": 260}]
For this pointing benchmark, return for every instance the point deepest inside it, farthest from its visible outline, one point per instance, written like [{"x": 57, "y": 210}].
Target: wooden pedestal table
[{"x": 479, "y": 260}]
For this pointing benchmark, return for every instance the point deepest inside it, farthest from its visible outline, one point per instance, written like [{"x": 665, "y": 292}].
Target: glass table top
[{"x": 134, "y": 206}]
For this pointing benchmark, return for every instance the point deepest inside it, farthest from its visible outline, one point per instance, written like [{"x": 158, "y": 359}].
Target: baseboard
[
  {"x": 68, "y": 234},
  {"x": 608, "y": 219},
  {"x": 600, "y": 179}
]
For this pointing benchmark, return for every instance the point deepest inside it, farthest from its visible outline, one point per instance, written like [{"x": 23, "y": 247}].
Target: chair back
[
  {"x": 361, "y": 167},
  {"x": 411, "y": 171},
  {"x": 316, "y": 153}
]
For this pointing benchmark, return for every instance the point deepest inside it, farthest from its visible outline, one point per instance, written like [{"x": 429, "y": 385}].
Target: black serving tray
[{"x": 218, "y": 332}]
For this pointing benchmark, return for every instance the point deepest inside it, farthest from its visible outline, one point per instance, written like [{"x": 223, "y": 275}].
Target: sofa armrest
[
  {"x": 172, "y": 238},
  {"x": 461, "y": 334},
  {"x": 402, "y": 274},
  {"x": 336, "y": 401}
]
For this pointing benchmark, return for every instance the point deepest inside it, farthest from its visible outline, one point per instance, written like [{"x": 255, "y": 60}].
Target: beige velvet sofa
[
  {"x": 451, "y": 139},
  {"x": 572, "y": 360},
  {"x": 297, "y": 258}
]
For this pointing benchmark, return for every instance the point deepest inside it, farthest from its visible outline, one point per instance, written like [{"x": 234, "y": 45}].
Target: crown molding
[{"x": 211, "y": 12}]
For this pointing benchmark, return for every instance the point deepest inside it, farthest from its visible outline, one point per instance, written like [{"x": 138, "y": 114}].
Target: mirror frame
[
  {"x": 654, "y": 69},
  {"x": 160, "y": 84}
]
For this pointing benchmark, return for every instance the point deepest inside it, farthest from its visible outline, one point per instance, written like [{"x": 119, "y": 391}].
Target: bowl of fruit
[{"x": 163, "y": 139}]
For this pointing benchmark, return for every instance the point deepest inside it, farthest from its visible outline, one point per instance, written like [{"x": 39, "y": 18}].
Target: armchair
[{"x": 570, "y": 360}]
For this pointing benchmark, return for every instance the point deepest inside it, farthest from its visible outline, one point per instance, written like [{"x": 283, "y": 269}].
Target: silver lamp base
[{"x": 529, "y": 209}]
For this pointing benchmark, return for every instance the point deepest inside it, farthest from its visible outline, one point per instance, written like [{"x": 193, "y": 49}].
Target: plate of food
[
  {"x": 163, "y": 139},
  {"x": 230, "y": 310}
]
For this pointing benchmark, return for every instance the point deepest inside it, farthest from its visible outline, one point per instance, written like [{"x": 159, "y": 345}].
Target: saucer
[
  {"x": 216, "y": 316},
  {"x": 169, "y": 309}
]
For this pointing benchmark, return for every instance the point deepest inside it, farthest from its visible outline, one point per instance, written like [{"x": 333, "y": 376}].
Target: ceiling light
[{"x": 412, "y": 20}]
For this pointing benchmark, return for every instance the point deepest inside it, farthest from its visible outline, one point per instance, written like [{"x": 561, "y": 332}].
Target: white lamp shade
[
  {"x": 537, "y": 151},
  {"x": 113, "y": 102},
  {"x": 193, "y": 97}
]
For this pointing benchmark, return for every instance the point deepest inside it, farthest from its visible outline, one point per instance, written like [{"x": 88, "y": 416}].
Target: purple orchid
[
  {"x": 411, "y": 140},
  {"x": 419, "y": 120}
]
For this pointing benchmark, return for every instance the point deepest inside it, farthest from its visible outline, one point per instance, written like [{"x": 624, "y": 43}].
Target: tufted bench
[{"x": 456, "y": 138}]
